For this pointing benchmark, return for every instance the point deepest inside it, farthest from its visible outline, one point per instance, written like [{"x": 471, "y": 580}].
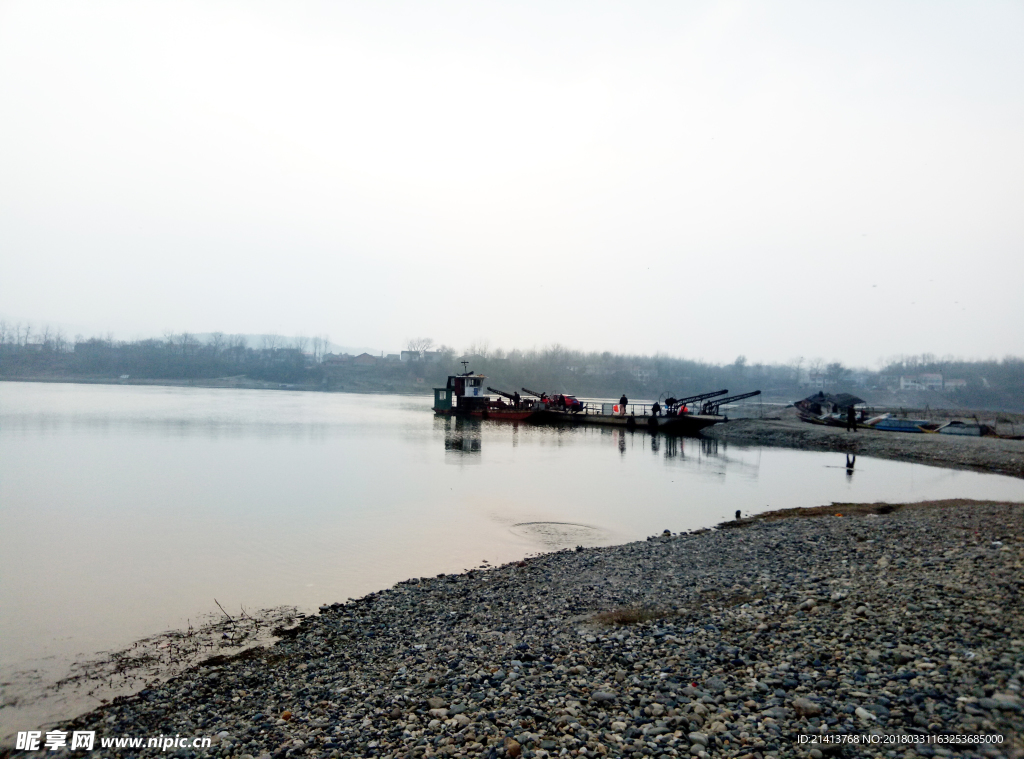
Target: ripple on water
[{"x": 556, "y": 535}]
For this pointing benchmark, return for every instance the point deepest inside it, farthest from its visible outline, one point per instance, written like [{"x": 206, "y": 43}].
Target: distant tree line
[
  {"x": 48, "y": 353},
  {"x": 41, "y": 353},
  {"x": 995, "y": 384}
]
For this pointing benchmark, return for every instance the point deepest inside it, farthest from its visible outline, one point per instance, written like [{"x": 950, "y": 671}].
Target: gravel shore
[
  {"x": 721, "y": 643},
  {"x": 981, "y": 454}
]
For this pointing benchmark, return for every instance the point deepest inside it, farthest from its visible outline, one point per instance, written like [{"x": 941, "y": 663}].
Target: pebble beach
[{"x": 770, "y": 637}]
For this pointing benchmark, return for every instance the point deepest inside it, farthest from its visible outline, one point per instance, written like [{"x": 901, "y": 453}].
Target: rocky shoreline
[
  {"x": 980, "y": 454},
  {"x": 743, "y": 642}
]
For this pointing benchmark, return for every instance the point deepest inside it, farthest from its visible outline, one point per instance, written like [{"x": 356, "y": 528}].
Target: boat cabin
[{"x": 461, "y": 393}]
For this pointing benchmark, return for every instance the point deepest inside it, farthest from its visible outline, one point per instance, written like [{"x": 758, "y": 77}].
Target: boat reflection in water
[
  {"x": 666, "y": 444},
  {"x": 704, "y": 457},
  {"x": 461, "y": 435}
]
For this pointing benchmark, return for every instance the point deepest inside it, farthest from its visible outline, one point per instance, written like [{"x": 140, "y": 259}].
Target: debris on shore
[
  {"x": 980, "y": 454},
  {"x": 721, "y": 643}
]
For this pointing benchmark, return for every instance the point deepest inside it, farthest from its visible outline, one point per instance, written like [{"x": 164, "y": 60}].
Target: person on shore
[
  {"x": 851, "y": 419},
  {"x": 622, "y": 404},
  {"x": 656, "y": 409}
]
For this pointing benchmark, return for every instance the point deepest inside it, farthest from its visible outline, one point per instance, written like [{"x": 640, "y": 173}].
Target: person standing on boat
[
  {"x": 515, "y": 399},
  {"x": 622, "y": 404},
  {"x": 656, "y": 409}
]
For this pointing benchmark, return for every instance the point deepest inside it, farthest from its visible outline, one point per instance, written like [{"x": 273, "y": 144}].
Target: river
[{"x": 127, "y": 510}]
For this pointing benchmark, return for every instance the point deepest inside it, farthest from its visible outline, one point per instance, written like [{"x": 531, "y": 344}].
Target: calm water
[{"x": 125, "y": 511}]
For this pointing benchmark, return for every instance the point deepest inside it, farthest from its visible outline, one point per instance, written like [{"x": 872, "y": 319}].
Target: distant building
[
  {"x": 860, "y": 379},
  {"x": 432, "y": 357},
  {"x": 410, "y": 356},
  {"x": 922, "y": 382},
  {"x": 336, "y": 359},
  {"x": 365, "y": 359},
  {"x": 816, "y": 380},
  {"x": 952, "y": 385},
  {"x": 393, "y": 357}
]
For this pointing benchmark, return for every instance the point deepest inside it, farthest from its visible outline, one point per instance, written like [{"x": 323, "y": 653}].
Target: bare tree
[
  {"x": 795, "y": 364},
  {"x": 186, "y": 343},
  {"x": 835, "y": 373},
  {"x": 482, "y": 347},
  {"x": 300, "y": 343},
  {"x": 271, "y": 342},
  {"x": 217, "y": 342},
  {"x": 3, "y": 332},
  {"x": 420, "y": 344}
]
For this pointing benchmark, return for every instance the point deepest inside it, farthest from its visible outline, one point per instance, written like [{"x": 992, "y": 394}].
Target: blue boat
[{"x": 895, "y": 424}]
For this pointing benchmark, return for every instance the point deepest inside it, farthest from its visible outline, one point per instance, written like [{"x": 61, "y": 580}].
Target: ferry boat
[
  {"x": 683, "y": 423},
  {"x": 674, "y": 417},
  {"x": 463, "y": 396}
]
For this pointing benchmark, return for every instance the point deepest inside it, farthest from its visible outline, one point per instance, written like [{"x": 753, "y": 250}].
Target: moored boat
[
  {"x": 463, "y": 395},
  {"x": 958, "y": 427},
  {"x": 890, "y": 423},
  {"x": 675, "y": 417},
  {"x": 683, "y": 424}
]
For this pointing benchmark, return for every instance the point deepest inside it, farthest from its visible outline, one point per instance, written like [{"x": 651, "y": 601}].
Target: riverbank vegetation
[{"x": 309, "y": 363}]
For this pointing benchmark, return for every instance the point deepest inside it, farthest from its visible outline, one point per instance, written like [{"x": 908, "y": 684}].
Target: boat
[
  {"x": 674, "y": 418},
  {"x": 957, "y": 427},
  {"x": 463, "y": 395},
  {"x": 829, "y": 409},
  {"x": 597, "y": 414},
  {"x": 890, "y": 423}
]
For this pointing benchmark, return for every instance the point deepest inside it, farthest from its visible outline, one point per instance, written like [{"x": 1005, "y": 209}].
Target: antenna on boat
[{"x": 464, "y": 365}]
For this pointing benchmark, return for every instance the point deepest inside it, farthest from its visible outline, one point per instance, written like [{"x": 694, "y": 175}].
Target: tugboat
[{"x": 463, "y": 396}]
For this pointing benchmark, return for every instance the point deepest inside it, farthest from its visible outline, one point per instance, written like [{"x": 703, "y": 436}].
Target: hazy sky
[{"x": 843, "y": 180}]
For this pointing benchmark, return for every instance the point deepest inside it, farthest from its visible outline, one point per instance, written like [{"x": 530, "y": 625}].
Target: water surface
[{"x": 127, "y": 510}]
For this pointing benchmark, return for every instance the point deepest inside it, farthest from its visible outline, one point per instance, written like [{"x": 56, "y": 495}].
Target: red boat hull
[{"x": 509, "y": 415}]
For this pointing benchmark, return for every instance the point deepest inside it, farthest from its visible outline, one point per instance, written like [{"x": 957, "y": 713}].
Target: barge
[
  {"x": 463, "y": 395},
  {"x": 675, "y": 417}
]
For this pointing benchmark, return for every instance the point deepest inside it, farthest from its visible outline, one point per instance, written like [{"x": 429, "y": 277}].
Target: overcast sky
[{"x": 835, "y": 180}]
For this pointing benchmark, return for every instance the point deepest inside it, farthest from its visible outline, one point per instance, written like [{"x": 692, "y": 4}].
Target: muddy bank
[
  {"x": 735, "y": 643},
  {"x": 992, "y": 455}
]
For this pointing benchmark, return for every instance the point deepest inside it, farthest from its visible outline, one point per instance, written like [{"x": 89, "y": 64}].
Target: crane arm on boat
[
  {"x": 711, "y": 407},
  {"x": 693, "y": 398},
  {"x": 510, "y": 396}
]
